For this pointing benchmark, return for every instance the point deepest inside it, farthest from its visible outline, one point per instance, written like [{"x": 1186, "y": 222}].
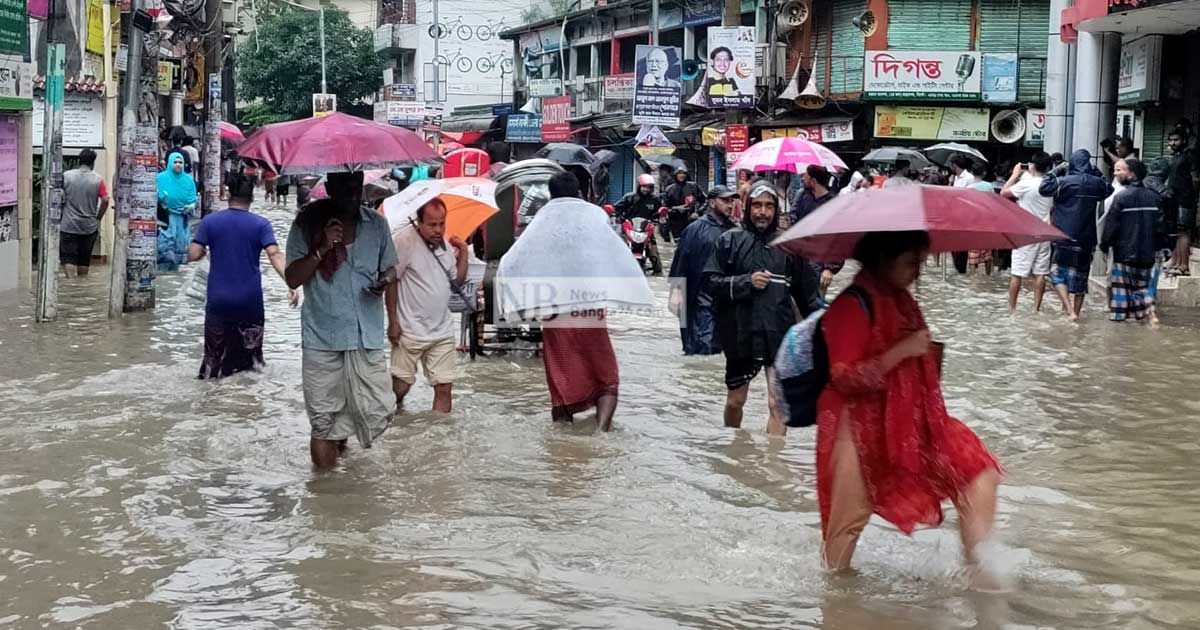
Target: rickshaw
[{"x": 522, "y": 188}]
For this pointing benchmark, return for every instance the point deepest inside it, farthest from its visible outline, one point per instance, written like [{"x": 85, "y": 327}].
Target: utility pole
[
  {"x": 46, "y": 308},
  {"x": 213, "y": 60},
  {"x": 135, "y": 245},
  {"x": 732, "y": 16},
  {"x": 653, "y": 22},
  {"x": 321, "y": 31},
  {"x": 437, "y": 68}
]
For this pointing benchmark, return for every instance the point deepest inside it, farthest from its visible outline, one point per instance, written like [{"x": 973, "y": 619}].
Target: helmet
[
  {"x": 645, "y": 179},
  {"x": 681, "y": 169}
]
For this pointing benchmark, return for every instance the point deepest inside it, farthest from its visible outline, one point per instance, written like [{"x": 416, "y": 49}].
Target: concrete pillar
[
  {"x": 1095, "y": 90},
  {"x": 25, "y": 200},
  {"x": 176, "y": 109},
  {"x": 1060, "y": 74}
]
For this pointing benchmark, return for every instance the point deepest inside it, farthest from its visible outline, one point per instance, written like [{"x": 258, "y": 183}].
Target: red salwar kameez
[{"x": 885, "y": 443}]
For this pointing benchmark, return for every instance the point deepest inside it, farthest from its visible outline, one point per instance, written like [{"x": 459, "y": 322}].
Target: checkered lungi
[{"x": 1129, "y": 292}]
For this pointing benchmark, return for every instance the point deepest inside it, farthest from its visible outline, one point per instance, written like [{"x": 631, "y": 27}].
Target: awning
[
  {"x": 464, "y": 138},
  {"x": 801, "y": 122},
  {"x": 458, "y": 124}
]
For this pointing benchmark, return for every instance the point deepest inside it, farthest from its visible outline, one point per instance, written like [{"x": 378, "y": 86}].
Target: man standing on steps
[
  {"x": 85, "y": 200},
  {"x": 1076, "y": 195},
  {"x": 1181, "y": 188},
  {"x": 1024, "y": 186}
]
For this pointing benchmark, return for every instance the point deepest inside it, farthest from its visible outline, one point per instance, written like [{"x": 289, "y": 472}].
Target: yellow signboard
[
  {"x": 95, "y": 26},
  {"x": 932, "y": 123},
  {"x": 168, "y": 76}
]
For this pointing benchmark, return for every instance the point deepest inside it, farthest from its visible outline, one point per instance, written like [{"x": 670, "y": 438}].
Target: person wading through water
[
  {"x": 757, "y": 290},
  {"x": 343, "y": 256}
]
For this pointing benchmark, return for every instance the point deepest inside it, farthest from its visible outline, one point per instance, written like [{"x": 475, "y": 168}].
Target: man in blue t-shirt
[{"x": 233, "y": 314}]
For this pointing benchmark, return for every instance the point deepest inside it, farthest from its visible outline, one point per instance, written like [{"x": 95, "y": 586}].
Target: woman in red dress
[{"x": 885, "y": 443}]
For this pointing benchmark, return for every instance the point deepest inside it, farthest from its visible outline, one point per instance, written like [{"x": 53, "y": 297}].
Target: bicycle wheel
[
  {"x": 484, "y": 65},
  {"x": 463, "y": 32},
  {"x": 506, "y": 66},
  {"x": 438, "y": 31},
  {"x": 463, "y": 64},
  {"x": 484, "y": 32}
]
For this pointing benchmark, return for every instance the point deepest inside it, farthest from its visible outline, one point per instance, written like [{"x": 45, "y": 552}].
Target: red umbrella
[
  {"x": 334, "y": 143},
  {"x": 957, "y": 219},
  {"x": 230, "y": 132}
]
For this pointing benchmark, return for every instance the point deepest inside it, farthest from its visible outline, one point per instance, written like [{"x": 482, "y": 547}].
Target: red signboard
[
  {"x": 737, "y": 138},
  {"x": 555, "y": 112}
]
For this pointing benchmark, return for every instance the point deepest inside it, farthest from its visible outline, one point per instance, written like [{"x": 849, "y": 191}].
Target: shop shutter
[
  {"x": 1154, "y": 131},
  {"x": 848, "y": 49},
  {"x": 929, "y": 25},
  {"x": 1018, "y": 26}
]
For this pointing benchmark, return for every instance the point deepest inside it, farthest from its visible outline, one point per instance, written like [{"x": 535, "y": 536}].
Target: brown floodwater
[{"x": 134, "y": 496}]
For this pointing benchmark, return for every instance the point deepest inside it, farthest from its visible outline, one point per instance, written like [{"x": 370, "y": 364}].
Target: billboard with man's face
[{"x": 657, "y": 89}]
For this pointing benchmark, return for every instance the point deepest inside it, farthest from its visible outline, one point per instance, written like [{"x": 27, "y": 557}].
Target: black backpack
[{"x": 802, "y": 365}]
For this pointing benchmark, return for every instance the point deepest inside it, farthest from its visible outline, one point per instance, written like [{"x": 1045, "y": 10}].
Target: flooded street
[{"x": 134, "y": 496}]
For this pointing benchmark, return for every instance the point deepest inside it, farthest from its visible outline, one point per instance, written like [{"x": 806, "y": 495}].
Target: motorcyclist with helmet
[
  {"x": 683, "y": 200},
  {"x": 643, "y": 204}
]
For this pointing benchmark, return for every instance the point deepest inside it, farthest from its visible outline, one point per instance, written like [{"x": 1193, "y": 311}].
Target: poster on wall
[
  {"x": 556, "y": 112},
  {"x": 932, "y": 123},
  {"x": 323, "y": 104},
  {"x": 1035, "y": 127},
  {"x": 657, "y": 91},
  {"x": 525, "y": 128},
  {"x": 1138, "y": 71},
  {"x": 999, "y": 82},
  {"x": 8, "y": 160},
  {"x": 16, "y": 83},
  {"x": 919, "y": 75},
  {"x": 729, "y": 79}
]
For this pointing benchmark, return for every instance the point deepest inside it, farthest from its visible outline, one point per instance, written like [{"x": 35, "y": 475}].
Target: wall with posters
[{"x": 10, "y": 248}]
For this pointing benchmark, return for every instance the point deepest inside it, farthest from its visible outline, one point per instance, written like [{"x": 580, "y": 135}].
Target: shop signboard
[
  {"x": 545, "y": 87},
  {"x": 921, "y": 75},
  {"x": 1035, "y": 127},
  {"x": 728, "y": 81},
  {"x": 95, "y": 27},
  {"x": 618, "y": 87},
  {"x": 697, "y": 12},
  {"x": 932, "y": 123},
  {"x": 16, "y": 83},
  {"x": 169, "y": 74},
  {"x": 555, "y": 114},
  {"x": 823, "y": 133},
  {"x": 652, "y": 141},
  {"x": 737, "y": 138},
  {"x": 526, "y": 128},
  {"x": 657, "y": 92},
  {"x": 502, "y": 110},
  {"x": 401, "y": 92},
  {"x": 14, "y": 28},
  {"x": 999, "y": 83},
  {"x": 83, "y": 121},
  {"x": 1138, "y": 71},
  {"x": 405, "y": 114}
]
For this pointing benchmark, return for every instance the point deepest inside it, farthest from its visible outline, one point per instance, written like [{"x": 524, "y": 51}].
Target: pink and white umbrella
[{"x": 787, "y": 154}]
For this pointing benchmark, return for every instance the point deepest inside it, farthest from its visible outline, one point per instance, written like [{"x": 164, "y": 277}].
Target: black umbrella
[
  {"x": 669, "y": 161},
  {"x": 567, "y": 154}
]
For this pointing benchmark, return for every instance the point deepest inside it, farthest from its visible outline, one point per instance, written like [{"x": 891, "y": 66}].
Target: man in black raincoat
[
  {"x": 683, "y": 200},
  {"x": 698, "y": 325},
  {"x": 758, "y": 291}
]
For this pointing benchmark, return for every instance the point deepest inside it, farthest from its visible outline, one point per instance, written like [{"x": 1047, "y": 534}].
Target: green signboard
[{"x": 14, "y": 28}]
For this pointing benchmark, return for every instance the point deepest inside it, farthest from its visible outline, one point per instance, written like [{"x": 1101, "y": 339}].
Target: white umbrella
[
  {"x": 889, "y": 155},
  {"x": 942, "y": 153},
  {"x": 469, "y": 202}
]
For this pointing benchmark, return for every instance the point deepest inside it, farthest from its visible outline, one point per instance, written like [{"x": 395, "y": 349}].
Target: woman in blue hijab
[{"x": 176, "y": 194}]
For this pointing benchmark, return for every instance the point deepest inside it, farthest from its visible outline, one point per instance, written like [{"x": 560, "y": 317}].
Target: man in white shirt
[
  {"x": 420, "y": 327},
  {"x": 960, "y": 165},
  {"x": 1030, "y": 260}
]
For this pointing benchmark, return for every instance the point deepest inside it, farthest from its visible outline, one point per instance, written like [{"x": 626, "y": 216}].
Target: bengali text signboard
[{"x": 921, "y": 75}]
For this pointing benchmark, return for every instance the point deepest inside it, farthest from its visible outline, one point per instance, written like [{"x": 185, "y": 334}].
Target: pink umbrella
[
  {"x": 957, "y": 219},
  {"x": 230, "y": 132},
  {"x": 334, "y": 143},
  {"x": 787, "y": 154}
]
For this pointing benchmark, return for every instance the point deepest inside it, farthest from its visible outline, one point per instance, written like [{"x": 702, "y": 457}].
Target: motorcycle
[{"x": 638, "y": 234}]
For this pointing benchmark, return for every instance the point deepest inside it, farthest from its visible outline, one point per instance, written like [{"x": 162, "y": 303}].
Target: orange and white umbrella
[{"x": 469, "y": 202}]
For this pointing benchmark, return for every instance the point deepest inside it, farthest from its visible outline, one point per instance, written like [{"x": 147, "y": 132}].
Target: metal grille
[
  {"x": 925, "y": 25},
  {"x": 399, "y": 12}
]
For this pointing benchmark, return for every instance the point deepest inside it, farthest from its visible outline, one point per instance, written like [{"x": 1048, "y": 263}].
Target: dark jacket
[
  {"x": 677, "y": 195},
  {"x": 1134, "y": 229},
  {"x": 804, "y": 204},
  {"x": 752, "y": 322},
  {"x": 1076, "y": 198},
  {"x": 636, "y": 205},
  {"x": 695, "y": 248}
]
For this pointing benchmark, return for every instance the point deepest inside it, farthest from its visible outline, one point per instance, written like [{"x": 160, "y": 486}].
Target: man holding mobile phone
[{"x": 343, "y": 256}]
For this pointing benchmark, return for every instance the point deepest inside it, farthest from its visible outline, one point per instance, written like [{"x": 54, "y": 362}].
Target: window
[
  {"x": 629, "y": 51},
  {"x": 583, "y": 60}
]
